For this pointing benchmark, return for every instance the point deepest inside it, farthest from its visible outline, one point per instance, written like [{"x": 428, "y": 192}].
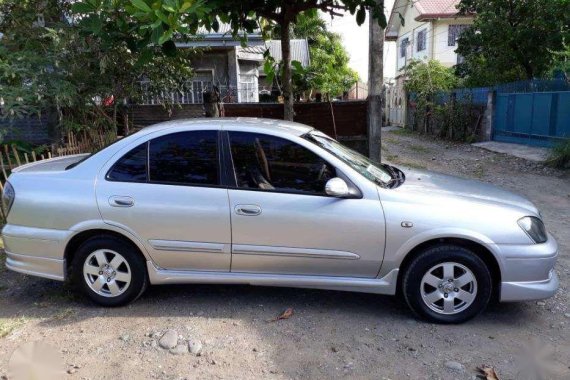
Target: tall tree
[
  {"x": 375, "y": 83},
  {"x": 284, "y": 13},
  {"x": 511, "y": 39},
  {"x": 183, "y": 17},
  {"x": 329, "y": 70}
]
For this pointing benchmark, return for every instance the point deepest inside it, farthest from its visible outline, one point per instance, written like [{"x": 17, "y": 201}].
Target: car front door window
[{"x": 265, "y": 162}]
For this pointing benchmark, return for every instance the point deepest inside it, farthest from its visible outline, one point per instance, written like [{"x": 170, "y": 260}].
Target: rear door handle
[
  {"x": 248, "y": 210},
  {"x": 121, "y": 201}
]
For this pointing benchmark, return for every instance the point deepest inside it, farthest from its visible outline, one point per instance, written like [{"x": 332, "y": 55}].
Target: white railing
[{"x": 193, "y": 93}]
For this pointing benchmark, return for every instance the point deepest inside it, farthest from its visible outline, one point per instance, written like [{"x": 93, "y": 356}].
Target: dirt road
[{"x": 330, "y": 335}]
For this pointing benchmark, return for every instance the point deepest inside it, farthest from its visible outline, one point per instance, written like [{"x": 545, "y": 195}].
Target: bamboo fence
[{"x": 11, "y": 157}]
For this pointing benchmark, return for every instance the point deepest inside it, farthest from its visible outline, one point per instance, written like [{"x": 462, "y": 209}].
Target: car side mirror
[{"x": 337, "y": 187}]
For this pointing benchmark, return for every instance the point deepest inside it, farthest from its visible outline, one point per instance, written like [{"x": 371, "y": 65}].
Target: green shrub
[{"x": 559, "y": 156}]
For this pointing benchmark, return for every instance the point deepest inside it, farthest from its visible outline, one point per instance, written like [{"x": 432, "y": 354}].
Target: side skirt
[{"x": 384, "y": 285}]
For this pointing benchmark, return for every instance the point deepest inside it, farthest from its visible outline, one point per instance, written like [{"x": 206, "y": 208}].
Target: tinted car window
[
  {"x": 272, "y": 163},
  {"x": 132, "y": 167},
  {"x": 185, "y": 158}
]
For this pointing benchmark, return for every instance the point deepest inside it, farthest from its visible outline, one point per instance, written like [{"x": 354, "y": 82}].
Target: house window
[
  {"x": 404, "y": 46},
  {"x": 454, "y": 33},
  {"x": 422, "y": 40}
]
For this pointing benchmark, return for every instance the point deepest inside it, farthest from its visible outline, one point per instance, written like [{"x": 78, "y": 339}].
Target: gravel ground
[{"x": 330, "y": 335}]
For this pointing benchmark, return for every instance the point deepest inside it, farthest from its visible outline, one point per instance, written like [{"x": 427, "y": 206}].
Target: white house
[
  {"x": 422, "y": 30},
  {"x": 235, "y": 69}
]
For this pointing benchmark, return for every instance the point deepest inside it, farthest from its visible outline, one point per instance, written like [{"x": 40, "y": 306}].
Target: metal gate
[{"x": 537, "y": 118}]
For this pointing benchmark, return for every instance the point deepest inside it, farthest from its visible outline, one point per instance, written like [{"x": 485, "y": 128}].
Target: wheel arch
[
  {"x": 479, "y": 249},
  {"x": 81, "y": 236}
]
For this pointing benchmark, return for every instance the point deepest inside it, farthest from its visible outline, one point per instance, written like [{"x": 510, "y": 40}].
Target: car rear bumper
[
  {"x": 36, "y": 266},
  {"x": 35, "y": 251}
]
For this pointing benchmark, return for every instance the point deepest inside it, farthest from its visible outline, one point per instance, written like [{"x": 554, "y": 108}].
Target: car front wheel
[
  {"x": 109, "y": 270},
  {"x": 447, "y": 284}
]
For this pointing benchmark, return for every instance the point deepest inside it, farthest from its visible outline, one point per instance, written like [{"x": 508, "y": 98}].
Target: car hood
[{"x": 447, "y": 186}]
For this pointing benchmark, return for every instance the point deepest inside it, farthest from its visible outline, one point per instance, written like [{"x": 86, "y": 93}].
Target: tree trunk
[
  {"x": 375, "y": 84},
  {"x": 288, "y": 112}
]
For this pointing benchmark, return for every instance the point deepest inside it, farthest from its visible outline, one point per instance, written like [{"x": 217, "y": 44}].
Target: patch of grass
[
  {"x": 559, "y": 156},
  {"x": 420, "y": 148},
  {"x": 479, "y": 172},
  {"x": 2, "y": 261},
  {"x": 402, "y": 131},
  {"x": 411, "y": 165},
  {"x": 7, "y": 325},
  {"x": 63, "y": 314},
  {"x": 389, "y": 140}
]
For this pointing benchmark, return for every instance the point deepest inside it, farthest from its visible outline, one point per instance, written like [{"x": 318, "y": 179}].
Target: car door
[
  {"x": 167, "y": 192},
  {"x": 284, "y": 223}
]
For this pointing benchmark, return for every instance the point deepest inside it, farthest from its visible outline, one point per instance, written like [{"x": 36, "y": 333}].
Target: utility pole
[{"x": 375, "y": 84}]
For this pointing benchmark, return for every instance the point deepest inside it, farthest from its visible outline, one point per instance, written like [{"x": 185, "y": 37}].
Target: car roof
[{"x": 246, "y": 124}]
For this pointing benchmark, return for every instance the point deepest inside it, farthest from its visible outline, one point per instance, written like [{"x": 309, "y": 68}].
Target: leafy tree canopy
[
  {"x": 328, "y": 72},
  {"x": 428, "y": 78},
  {"x": 79, "y": 67},
  {"x": 160, "y": 21},
  {"x": 511, "y": 39}
]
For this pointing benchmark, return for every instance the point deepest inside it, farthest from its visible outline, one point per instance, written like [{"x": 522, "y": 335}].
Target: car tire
[
  {"x": 109, "y": 270},
  {"x": 447, "y": 284}
]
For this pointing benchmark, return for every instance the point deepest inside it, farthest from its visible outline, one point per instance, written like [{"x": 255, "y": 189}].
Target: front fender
[{"x": 398, "y": 252}]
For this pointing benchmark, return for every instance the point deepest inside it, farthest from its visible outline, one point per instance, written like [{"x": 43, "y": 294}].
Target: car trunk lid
[{"x": 55, "y": 164}]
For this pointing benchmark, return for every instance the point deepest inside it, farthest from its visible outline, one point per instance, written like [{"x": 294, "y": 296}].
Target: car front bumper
[
  {"x": 528, "y": 271},
  {"x": 532, "y": 290}
]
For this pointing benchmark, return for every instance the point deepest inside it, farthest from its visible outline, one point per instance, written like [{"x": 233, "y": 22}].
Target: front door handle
[
  {"x": 121, "y": 201},
  {"x": 248, "y": 210}
]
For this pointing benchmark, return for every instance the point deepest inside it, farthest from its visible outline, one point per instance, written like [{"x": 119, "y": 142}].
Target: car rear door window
[
  {"x": 132, "y": 167},
  {"x": 189, "y": 158},
  {"x": 272, "y": 163}
]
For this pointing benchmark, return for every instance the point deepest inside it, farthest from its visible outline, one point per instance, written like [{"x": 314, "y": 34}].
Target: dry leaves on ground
[
  {"x": 489, "y": 372},
  {"x": 288, "y": 313}
]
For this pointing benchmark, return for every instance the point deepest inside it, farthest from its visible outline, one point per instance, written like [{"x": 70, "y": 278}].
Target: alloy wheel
[
  {"x": 107, "y": 273},
  {"x": 448, "y": 288}
]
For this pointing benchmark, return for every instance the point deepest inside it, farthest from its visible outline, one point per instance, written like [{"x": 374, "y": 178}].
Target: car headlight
[
  {"x": 534, "y": 228},
  {"x": 8, "y": 196}
]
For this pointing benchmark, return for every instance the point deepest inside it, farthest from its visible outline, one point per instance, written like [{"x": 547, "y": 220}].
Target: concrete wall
[
  {"x": 409, "y": 30},
  {"x": 441, "y": 51},
  {"x": 349, "y": 117},
  {"x": 32, "y": 129},
  {"x": 436, "y": 40}
]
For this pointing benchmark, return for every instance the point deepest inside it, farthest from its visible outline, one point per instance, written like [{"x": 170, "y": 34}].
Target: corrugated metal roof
[{"x": 299, "y": 51}]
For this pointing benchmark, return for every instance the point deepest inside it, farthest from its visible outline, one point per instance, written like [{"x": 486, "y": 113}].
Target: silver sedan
[{"x": 267, "y": 202}]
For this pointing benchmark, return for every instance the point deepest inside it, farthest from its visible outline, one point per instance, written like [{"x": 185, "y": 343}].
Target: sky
[{"x": 355, "y": 40}]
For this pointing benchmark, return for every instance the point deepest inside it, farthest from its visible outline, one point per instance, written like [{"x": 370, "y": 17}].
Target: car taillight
[{"x": 8, "y": 196}]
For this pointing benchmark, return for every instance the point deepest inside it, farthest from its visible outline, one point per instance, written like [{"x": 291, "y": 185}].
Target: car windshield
[{"x": 379, "y": 173}]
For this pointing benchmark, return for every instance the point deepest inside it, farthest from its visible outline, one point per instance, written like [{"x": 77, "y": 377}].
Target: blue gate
[{"x": 537, "y": 118}]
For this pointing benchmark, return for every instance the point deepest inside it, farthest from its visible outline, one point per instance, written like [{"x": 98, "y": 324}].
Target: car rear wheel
[
  {"x": 109, "y": 270},
  {"x": 447, "y": 284}
]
